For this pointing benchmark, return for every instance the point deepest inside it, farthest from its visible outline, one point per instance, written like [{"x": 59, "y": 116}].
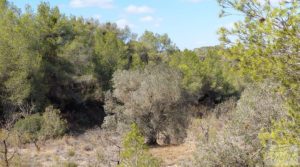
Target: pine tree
[{"x": 266, "y": 45}]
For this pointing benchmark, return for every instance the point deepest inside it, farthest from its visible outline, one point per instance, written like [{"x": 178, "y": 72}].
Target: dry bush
[
  {"x": 236, "y": 142},
  {"x": 210, "y": 121},
  {"x": 222, "y": 109},
  {"x": 256, "y": 109},
  {"x": 8, "y": 149},
  {"x": 8, "y": 140}
]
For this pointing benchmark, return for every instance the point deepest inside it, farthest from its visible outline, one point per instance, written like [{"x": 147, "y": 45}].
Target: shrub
[
  {"x": 237, "y": 143},
  {"x": 53, "y": 125},
  {"x": 29, "y": 128},
  {"x": 135, "y": 152},
  {"x": 8, "y": 147},
  {"x": 35, "y": 127},
  {"x": 223, "y": 151}
]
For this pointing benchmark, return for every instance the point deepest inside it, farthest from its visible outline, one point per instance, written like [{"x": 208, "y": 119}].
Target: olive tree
[{"x": 151, "y": 98}]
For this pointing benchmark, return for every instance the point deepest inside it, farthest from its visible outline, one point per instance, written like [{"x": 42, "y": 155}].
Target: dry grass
[
  {"x": 173, "y": 155},
  {"x": 97, "y": 148},
  {"x": 176, "y": 155},
  {"x": 88, "y": 149}
]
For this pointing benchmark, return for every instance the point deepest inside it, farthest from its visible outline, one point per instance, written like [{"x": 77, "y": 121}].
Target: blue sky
[{"x": 189, "y": 23}]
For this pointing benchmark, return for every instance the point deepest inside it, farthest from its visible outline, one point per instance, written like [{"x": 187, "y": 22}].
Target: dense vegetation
[{"x": 60, "y": 74}]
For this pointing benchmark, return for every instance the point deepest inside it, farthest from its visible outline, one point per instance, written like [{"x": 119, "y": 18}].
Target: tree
[
  {"x": 158, "y": 47},
  {"x": 29, "y": 60},
  {"x": 266, "y": 45},
  {"x": 206, "y": 73},
  {"x": 48, "y": 58},
  {"x": 152, "y": 98},
  {"x": 16, "y": 61},
  {"x": 139, "y": 57},
  {"x": 111, "y": 54},
  {"x": 135, "y": 152}
]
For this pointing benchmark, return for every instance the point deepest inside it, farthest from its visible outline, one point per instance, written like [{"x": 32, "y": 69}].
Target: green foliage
[
  {"x": 139, "y": 56},
  {"x": 266, "y": 45},
  {"x": 71, "y": 153},
  {"x": 49, "y": 58},
  {"x": 157, "y": 47},
  {"x": 14, "y": 68},
  {"x": 8, "y": 147},
  {"x": 188, "y": 63},
  {"x": 111, "y": 54},
  {"x": 36, "y": 127},
  {"x": 156, "y": 42},
  {"x": 266, "y": 42},
  {"x": 155, "y": 84},
  {"x": 135, "y": 153},
  {"x": 29, "y": 128},
  {"x": 205, "y": 71},
  {"x": 53, "y": 125}
]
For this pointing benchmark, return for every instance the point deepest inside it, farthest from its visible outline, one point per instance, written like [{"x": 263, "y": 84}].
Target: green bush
[
  {"x": 135, "y": 152},
  {"x": 35, "y": 127},
  {"x": 29, "y": 128},
  {"x": 53, "y": 125}
]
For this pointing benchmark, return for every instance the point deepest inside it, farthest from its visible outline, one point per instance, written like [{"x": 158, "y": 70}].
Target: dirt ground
[{"x": 94, "y": 148}]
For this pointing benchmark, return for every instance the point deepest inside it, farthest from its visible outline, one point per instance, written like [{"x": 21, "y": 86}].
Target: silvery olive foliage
[{"x": 150, "y": 97}]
